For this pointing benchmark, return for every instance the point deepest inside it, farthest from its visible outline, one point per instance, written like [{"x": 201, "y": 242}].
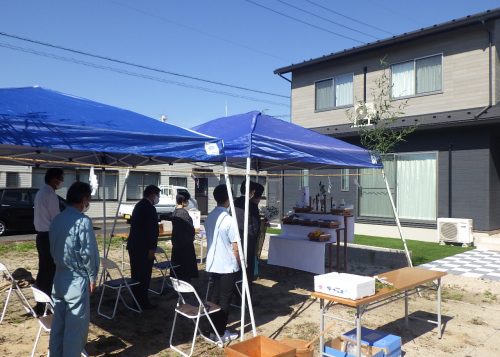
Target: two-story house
[{"x": 449, "y": 74}]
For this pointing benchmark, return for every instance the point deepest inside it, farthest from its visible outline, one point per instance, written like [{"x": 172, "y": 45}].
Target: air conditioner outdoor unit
[
  {"x": 455, "y": 230},
  {"x": 363, "y": 113}
]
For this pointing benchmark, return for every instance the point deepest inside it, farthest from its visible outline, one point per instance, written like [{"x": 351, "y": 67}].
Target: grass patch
[
  {"x": 16, "y": 247},
  {"x": 488, "y": 296},
  {"x": 421, "y": 252},
  {"x": 270, "y": 230},
  {"x": 452, "y": 294}
]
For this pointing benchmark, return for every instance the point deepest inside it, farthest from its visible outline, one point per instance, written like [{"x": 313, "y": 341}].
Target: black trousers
[
  {"x": 46, "y": 266},
  {"x": 220, "y": 293},
  {"x": 141, "y": 269}
]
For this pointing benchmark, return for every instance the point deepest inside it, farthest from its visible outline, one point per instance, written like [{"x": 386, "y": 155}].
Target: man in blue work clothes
[{"x": 74, "y": 249}]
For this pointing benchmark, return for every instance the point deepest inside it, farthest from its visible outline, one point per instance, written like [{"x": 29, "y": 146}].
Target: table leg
[
  {"x": 345, "y": 244},
  {"x": 440, "y": 330},
  {"x": 337, "y": 263},
  {"x": 406, "y": 309},
  {"x": 358, "y": 331},
  {"x": 321, "y": 325},
  {"x": 330, "y": 257}
]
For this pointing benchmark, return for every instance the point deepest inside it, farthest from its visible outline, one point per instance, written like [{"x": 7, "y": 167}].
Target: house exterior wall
[
  {"x": 496, "y": 62},
  {"x": 465, "y": 76}
]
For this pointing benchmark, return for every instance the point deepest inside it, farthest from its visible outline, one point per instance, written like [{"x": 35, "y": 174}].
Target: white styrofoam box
[
  {"x": 349, "y": 286},
  {"x": 196, "y": 217}
]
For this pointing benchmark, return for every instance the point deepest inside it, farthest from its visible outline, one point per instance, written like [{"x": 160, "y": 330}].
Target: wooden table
[{"x": 405, "y": 283}]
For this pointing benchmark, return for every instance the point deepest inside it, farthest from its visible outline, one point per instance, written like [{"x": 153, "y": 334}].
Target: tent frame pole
[
  {"x": 396, "y": 216},
  {"x": 116, "y": 213},
  {"x": 104, "y": 210},
  {"x": 245, "y": 290}
]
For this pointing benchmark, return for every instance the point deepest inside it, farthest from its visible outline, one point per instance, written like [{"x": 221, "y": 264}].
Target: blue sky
[{"x": 231, "y": 41}]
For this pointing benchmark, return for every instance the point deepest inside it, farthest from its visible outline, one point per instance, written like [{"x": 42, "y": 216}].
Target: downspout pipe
[{"x": 490, "y": 74}]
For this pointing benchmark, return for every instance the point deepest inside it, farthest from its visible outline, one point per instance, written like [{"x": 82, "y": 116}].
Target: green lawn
[{"x": 421, "y": 252}]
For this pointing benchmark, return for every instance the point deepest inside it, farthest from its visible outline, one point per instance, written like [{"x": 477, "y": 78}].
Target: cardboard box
[
  {"x": 349, "y": 286},
  {"x": 390, "y": 344},
  {"x": 259, "y": 346},
  {"x": 338, "y": 347}
]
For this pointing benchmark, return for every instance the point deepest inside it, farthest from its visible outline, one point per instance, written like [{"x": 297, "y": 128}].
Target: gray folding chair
[
  {"x": 14, "y": 288},
  {"x": 163, "y": 266},
  {"x": 193, "y": 313},
  {"x": 114, "y": 279}
]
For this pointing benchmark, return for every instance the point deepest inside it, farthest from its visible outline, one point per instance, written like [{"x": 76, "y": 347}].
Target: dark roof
[
  {"x": 407, "y": 36},
  {"x": 463, "y": 117}
]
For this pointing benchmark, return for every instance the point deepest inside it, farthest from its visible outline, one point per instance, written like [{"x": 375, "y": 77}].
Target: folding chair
[
  {"x": 14, "y": 287},
  {"x": 193, "y": 312},
  {"x": 45, "y": 320},
  {"x": 118, "y": 283},
  {"x": 163, "y": 266}
]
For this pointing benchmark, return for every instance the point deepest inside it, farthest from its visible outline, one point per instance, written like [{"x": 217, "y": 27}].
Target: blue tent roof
[
  {"x": 274, "y": 144},
  {"x": 44, "y": 124}
]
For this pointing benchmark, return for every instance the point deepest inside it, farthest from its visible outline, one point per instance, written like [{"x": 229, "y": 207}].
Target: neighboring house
[
  {"x": 450, "y": 166},
  {"x": 200, "y": 181}
]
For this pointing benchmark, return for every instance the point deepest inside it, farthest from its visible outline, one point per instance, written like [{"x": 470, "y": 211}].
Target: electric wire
[
  {"x": 326, "y": 19},
  {"x": 348, "y": 17},
  {"x": 140, "y": 66},
  {"x": 304, "y": 22},
  {"x": 194, "y": 29},
  {"x": 135, "y": 74}
]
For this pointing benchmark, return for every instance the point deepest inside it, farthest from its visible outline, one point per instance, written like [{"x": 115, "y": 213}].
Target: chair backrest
[
  {"x": 160, "y": 250},
  {"x": 3, "y": 268},
  {"x": 181, "y": 286},
  {"x": 41, "y": 297},
  {"x": 108, "y": 263}
]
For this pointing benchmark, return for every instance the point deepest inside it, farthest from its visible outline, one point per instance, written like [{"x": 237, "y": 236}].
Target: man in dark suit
[{"x": 142, "y": 242}]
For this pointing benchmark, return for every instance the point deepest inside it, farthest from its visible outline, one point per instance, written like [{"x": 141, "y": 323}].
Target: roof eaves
[{"x": 407, "y": 36}]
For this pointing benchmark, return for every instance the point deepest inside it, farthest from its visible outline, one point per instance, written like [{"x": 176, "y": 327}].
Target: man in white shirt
[
  {"x": 222, "y": 261},
  {"x": 46, "y": 208}
]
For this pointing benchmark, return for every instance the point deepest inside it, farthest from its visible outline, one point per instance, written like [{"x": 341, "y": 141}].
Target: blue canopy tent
[
  {"x": 257, "y": 141},
  {"x": 47, "y": 128}
]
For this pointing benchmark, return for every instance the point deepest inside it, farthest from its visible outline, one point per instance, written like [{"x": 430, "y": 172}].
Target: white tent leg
[
  {"x": 242, "y": 258},
  {"x": 116, "y": 214},
  {"x": 245, "y": 287},
  {"x": 398, "y": 223},
  {"x": 104, "y": 210}
]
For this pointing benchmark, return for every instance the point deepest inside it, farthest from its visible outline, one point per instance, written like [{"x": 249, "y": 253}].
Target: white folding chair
[
  {"x": 163, "y": 266},
  {"x": 45, "y": 321},
  {"x": 14, "y": 287},
  {"x": 117, "y": 282},
  {"x": 194, "y": 313}
]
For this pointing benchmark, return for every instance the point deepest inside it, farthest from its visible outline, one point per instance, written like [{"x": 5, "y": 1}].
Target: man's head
[
  {"x": 152, "y": 193},
  {"x": 252, "y": 188},
  {"x": 259, "y": 191},
  {"x": 54, "y": 177},
  {"x": 221, "y": 196},
  {"x": 78, "y": 196}
]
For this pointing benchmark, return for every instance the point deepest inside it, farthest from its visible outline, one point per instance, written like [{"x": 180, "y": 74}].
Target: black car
[{"x": 16, "y": 209}]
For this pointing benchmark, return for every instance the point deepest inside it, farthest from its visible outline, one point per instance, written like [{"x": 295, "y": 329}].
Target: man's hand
[
  {"x": 151, "y": 255},
  {"x": 92, "y": 287}
]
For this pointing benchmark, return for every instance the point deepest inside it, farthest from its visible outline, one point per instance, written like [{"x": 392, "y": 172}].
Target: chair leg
[
  {"x": 100, "y": 304},
  {"x": 164, "y": 277},
  {"x": 24, "y": 301},
  {"x": 171, "y": 337},
  {"x": 6, "y": 304},
  {"x": 36, "y": 341},
  {"x": 194, "y": 334},
  {"x": 139, "y": 309}
]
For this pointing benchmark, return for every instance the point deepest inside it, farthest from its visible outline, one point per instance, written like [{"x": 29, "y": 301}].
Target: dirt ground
[{"x": 283, "y": 308}]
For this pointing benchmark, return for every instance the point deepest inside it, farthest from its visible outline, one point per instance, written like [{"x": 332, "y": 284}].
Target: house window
[
  {"x": 12, "y": 179},
  {"x": 419, "y": 76},
  {"x": 178, "y": 181},
  {"x": 412, "y": 179},
  {"x": 334, "y": 92},
  {"x": 138, "y": 181},
  {"x": 344, "y": 180}
]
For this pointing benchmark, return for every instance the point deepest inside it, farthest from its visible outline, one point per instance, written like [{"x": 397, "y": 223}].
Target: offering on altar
[
  {"x": 319, "y": 236},
  {"x": 328, "y": 224}
]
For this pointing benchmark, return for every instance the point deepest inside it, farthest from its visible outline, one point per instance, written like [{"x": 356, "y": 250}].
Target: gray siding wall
[
  {"x": 494, "y": 213},
  {"x": 496, "y": 62},
  {"x": 465, "y": 76}
]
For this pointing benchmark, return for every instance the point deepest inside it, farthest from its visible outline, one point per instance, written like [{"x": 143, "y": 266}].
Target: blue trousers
[{"x": 70, "y": 324}]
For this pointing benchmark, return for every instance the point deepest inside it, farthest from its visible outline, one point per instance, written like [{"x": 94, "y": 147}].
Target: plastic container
[{"x": 349, "y": 286}]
